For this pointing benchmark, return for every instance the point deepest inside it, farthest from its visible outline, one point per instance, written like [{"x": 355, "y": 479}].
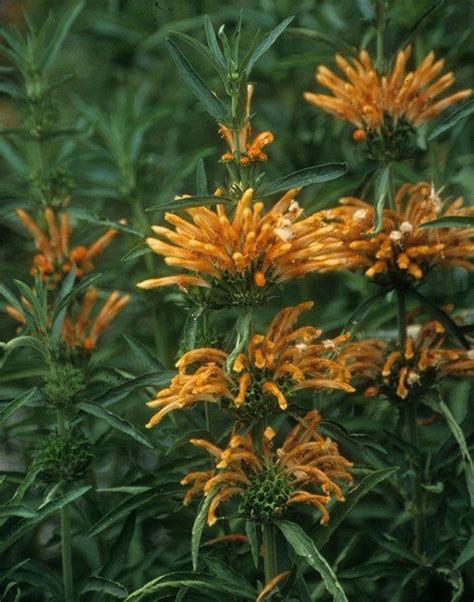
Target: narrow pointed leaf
[
  {"x": 12, "y": 406},
  {"x": 105, "y": 586},
  {"x": 304, "y": 547},
  {"x": 451, "y": 120},
  {"x": 196, "y": 84},
  {"x": 60, "y": 34},
  {"x": 381, "y": 190},
  {"x": 269, "y": 40},
  {"x": 198, "y": 527},
  {"x": 449, "y": 221},
  {"x": 466, "y": 555},
  {"x": 116, "y": 422},
  {"x": 304, "y": 177},
  {"x": 251, "y": 531},
  {"x": 193, "y": 201},
  {"x": 201, "y": 179}
]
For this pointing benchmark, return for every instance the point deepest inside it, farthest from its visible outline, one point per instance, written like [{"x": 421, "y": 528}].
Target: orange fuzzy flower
[
  {"x": 82, "y": 331},
  {"x": 56, "y": 258},
  {"x": 262, "y": 379},
  {"x": 366, "y": 97},
  {"x": 250, "y": 151},
  {"x": 255, "y": 246},
  {"x": 403, "y": 249},
  {"x": 304, "y": 470},
  {"x": 424, "y": 361}
]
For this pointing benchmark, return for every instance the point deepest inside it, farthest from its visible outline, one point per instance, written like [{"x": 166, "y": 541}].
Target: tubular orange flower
[
  {"x": 305, "y": 469},
  {"x": 424, "y": 361},
  {"x": 403, "y": 249},
  {"x": 84, "y": 332},
  {"x": 367, "y": 98},
  {"x": 55, "y": 258},
  {"x": 80, "y": 331},
  {"x": 241, "y": 256},
  {"x": 249, "y": 151},
  {"x": 262, "y": 379}
]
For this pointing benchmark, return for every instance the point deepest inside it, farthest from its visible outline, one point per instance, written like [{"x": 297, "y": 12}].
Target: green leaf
[
  {"x": 105, "y": 586},
  {"x": 195, "y": 581},
  {"x": 440, "y": 406},
  {"x": 21, "y": 342},
  {"x": 92, "y": 218},
  {"x": 304, "y": 177},
  {"x": 198, "y": 527},
  {"x": 8, "y": 510},
  {"x": 382, "y": 185},
  {"x": 353, "y": 497},
  {"x": 199, "y": 88},
  {"x": 317, "y": 36},
  {"x": 214, "y": 44},
  {"x": 441, "y": 316},
  {"x": 117, "y": 392},
  {"x": 449, "y": 221},
  {"x": 202, "y": 50},
  {"x": 466, "y": 555},
  {"x": 121, "y": 546},
  {"x": 304, "y": 547},
  {"x": 12, "y": 406},
  {"x": 251, "y": 532},
  {"x": 231, "y": 577},
  {"x": 141, "y": 353},
  {"x": 432, "y": 8},
  {"x": 60, "y": 34},
  {"x": 451, "y": 120},
  {"x": 205, "y": 200},
  {"x": 116, "y": 422},
  {"x": 123, "y": 510},
  {"x": 269, "y": 40},
  {"x": 201, "y": 179},
  {"x": 361, "y": 311},
  {"x": 42, "y": 513}
]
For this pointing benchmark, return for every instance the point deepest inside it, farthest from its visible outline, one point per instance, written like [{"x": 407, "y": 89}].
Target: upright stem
[
  {"x": 380, "y": 19},
  {"x": 66, "y": 547},
  {"x": 410, "y": 416},
  {"x": 269, "y": 551}
]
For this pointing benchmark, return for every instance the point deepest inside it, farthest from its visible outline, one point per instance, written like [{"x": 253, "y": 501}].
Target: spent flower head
[{"x": 306, "y": 469}]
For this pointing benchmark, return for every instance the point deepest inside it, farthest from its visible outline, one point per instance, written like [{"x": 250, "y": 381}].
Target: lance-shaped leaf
[
  {"x": 466, "y": 555},
  {"x": 353, "y": 497},
  {"x": 318, "y": 36},
  {"x": 197, "y": 85},
  {"x": 192, "y": 201},
  {"x": 42, "y": 513},
  {"x": 198, "y": 527},
  {"x": 23, "y": 341},
  {"x": 361, "y": 311},
  {"x": 438, "y": 405},
  {"x": 12, "y": 406},
  {"x": 116, "y": 422},
  {"x": 304, "y": 547},
  {"x": 450, "y": 221},
  {"x": 269, "y": 40},
  {"x": 451, "y": 120},
  {"x": 252, "y": 536},
  {"x": 429, "y": 11},
  {"x": 381, "y": 190},
  {"x": 201, "y": 179},
  {"x": 304, "y": 177},
  {"x": 59, "y": 35},
  {"x": 104, "y": 586}
]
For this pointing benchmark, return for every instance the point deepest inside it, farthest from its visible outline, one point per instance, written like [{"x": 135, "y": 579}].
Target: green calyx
[
  {"x": 266, "y": 495},
  {"x": 62, "y": 384},
  {"x": 393, "y": 142},
  {"x": 64, "y": 457}
]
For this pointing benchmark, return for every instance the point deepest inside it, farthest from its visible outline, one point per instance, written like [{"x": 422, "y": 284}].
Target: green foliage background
[{"x": 137, "y": 135}]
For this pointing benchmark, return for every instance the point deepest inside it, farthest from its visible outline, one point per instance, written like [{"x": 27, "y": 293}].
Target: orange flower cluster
[
  {"x": 403, "y": 247},
  {"x": 82, "y": 332},
  {"x": 56, "y": 258},
  {"x": 275, "y": 365},
  {"x": 304, "y": 470},
  {"x": 248, "y": 151},
  {"x": 366, "y": 97},
  {"x": 257, "y": 246},
  {"x": 424, "y": 360}
]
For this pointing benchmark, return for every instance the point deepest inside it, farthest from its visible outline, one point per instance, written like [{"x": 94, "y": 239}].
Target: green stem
[
  {"x": 269, "y": 551},
  {"x": 410, "y": 410},
  {"x": 66, "y": 544},
  {"x": 417, "y": 488},
  {"x": 380, "y": 19}
]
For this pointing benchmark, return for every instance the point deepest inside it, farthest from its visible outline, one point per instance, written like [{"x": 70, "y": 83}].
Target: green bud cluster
[
  {"x": 266, "y": 495},
  {"x": 64, "y": 457},
  {"x": 62, "y": 384}
]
